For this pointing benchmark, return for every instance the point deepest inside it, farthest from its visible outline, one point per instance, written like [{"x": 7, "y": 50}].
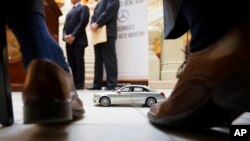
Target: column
[{"x": 172, "y": 57}]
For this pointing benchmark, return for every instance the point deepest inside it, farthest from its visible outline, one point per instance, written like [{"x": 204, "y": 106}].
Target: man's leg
[
  {"x": 48, "y": 84},
  {"x": 71, "y": 60},
  {"x": 98, "y": 72},
  {"x": 80, "y": 67},
  {"x": 220, "y": 71},
  {"x": 110, "y": 62},
  {"x": 6, "y": 110},
  {"x": 35, "y": 39}
]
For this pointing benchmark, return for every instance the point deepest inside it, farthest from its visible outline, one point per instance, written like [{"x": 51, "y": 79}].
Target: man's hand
[
  {"x": 69, "y": 39},
  {"x": 66, "y": 37},
  {"x": 94, "y": 26}
]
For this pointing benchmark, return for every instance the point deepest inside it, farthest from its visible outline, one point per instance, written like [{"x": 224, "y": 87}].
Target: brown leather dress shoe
[
  {"x": 191, "y": 103},
  {"x": 49, "y": 94}
]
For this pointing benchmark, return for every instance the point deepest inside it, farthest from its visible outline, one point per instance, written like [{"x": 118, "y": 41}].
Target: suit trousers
[
  {"x": 75, "y": 56},
  {"x": 105, "y": 54},
  {"x": 35, "y": 40}
]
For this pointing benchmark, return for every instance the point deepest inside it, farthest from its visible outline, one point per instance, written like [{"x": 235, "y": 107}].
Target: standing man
[
  {"x": 105, "y": 13},
  {"x": 76, "y": 40}
]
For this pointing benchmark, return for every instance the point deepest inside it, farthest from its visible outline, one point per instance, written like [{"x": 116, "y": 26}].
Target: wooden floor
[{"x": 114, "y": 123}]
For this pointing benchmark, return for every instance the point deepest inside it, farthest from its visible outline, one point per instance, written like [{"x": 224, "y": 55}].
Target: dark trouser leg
[
  {"x": 71, "y": 60},
  {"x": 80, "y": 66},
  {"x": 98, "y": 65},
  {"x": 35, "y": 39},
  {"x": 6, "y": 111},
  {"x": 76, "y": 59},
  {"x": 110, "y": 62}
]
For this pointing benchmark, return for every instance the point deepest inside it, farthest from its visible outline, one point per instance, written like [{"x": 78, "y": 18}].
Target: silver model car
[{"x": 130, "y": 94}]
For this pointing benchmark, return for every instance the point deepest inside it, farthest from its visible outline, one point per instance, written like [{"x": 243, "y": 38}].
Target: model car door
[
  {"x": 138, "y": 95},
  {"x": 123, "y": 96}
]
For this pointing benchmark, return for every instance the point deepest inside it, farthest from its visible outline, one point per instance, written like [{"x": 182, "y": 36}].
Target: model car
[{"x": 130, "y": 94}]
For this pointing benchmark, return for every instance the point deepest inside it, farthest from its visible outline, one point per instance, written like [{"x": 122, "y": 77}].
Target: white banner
[{"x": 132, "y": 41}]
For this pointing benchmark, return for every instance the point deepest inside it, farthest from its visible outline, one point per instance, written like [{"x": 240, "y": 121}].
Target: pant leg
[
  {"x": 71, "y": 60},
  {"x": 98, "y": 72},
  {"x": 79, "y": 65},
  {"x": 110, "y": 62},
  {"x": 35, "y": 40}
]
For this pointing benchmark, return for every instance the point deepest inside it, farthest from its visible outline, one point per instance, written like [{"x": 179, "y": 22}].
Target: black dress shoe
[
  {"x": 79, "y": 87},
  {"x": 94, "y": 88}
]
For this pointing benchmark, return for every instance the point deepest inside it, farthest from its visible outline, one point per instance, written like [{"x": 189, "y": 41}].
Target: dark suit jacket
[
  {"x": 105, "y": 13},
  {"x": 75, "y": 24},
  {"x": 175, "y": 24}
]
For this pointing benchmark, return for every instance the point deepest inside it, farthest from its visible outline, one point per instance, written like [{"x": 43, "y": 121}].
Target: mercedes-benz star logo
[{"x": 123, "y": 15}]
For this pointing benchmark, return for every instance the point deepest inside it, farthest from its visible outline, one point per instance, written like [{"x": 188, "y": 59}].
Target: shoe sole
[
  {"x": 206, "y": 116},
  {"x": 78, "y": 113},
  {"x": 45, "y": 112}
]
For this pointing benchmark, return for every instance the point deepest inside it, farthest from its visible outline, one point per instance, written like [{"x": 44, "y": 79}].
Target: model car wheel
[
  {"x": 105, "y": 101},
  {"x": 150, "y": 101}
]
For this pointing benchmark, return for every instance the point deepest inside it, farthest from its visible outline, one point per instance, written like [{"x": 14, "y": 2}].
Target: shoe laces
[{"x": 182, "y": 66}]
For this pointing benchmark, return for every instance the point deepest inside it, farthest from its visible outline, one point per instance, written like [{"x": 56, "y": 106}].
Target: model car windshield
[{"x": 133, "y": 89}]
